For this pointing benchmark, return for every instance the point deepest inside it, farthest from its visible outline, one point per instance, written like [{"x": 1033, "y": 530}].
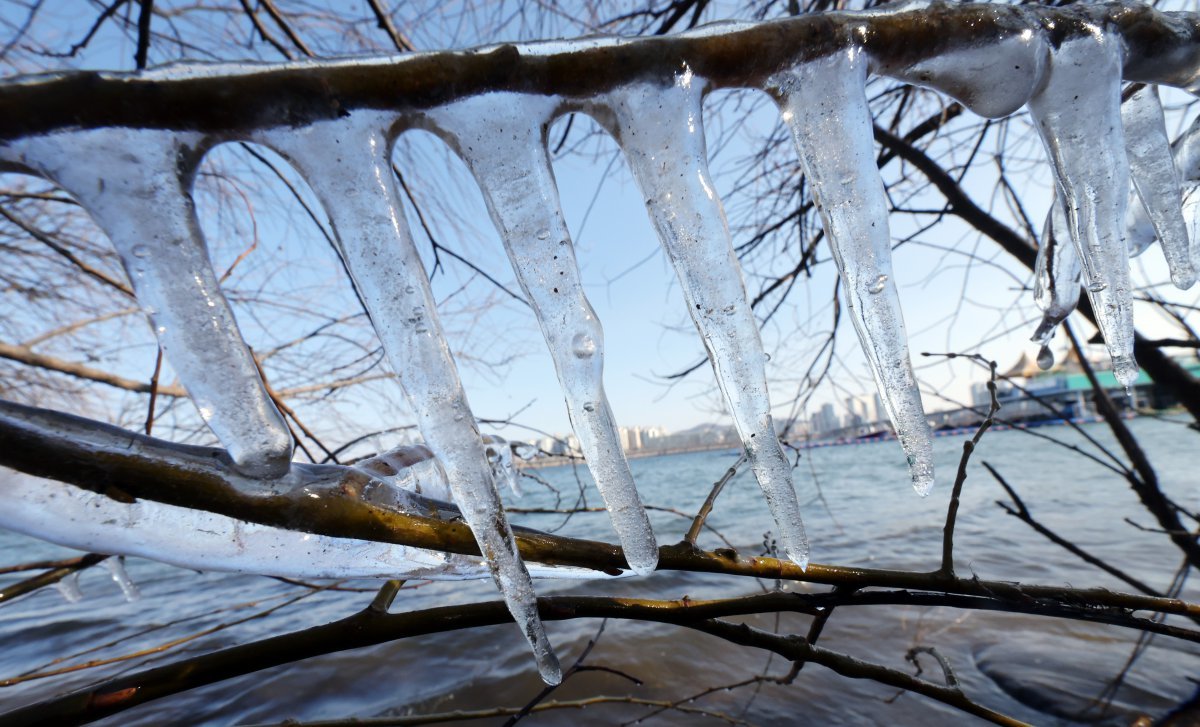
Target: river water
[{"x": 860, "y": 511}]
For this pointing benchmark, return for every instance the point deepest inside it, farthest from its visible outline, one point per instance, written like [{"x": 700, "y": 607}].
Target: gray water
[{"x": 1039, "y": 670}]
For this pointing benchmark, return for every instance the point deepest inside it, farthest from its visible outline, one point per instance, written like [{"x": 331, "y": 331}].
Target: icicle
[
  {"x": 1056, "y": 274},
  {"x": 116, "y": 568},
  {"x": 348, "y": 165},
  {"x": 68, "y": 587},
  {"x": 136, "y": 184},
  {"x": 502, "y": 139},
  {"x": 91, "y": 522},
  {"x": 1078, "y": 115},
  {"x": 1156, "y": 180},
  {"x": 659, "y": 129},
  {"x": 825, "y": 104},
  {"x": 500, "y": 457}
]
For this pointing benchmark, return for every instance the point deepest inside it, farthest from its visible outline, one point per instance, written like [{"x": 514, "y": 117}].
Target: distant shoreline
[{"x": 559, "y": 461}]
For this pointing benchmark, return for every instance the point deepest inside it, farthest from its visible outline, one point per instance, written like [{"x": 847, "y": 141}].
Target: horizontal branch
[
  {"x": 29, "y": 357},
  {"x": 122, "y": 464},
  {"x": 223, "y": 99},
  {"x": 370, "y": 627}
]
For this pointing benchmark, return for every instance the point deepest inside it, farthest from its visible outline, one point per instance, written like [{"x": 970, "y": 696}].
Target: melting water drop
[
  {"x": 878, "y": 285},
  {"x": 1045, "y": 358}
]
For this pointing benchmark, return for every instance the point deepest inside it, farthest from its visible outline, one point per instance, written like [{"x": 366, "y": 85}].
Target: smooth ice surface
[
  {"x": 824, "y": 104},
  {"x": 660, "y": 131},
  {"x": 501, "y": 137},
  {"x": 136, "y": 184},
  {"x": 347, "y": 163},
  {"x": 1078, "y": 115},
  {"x": 992, "y": 80},
  {"x": 1056, "y": 274},
  {"x": 1152, "y": 169},
  {"x": 87, "y": 521}
]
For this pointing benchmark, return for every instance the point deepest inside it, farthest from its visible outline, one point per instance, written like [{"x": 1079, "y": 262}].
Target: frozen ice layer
[
  {"x": 502, "y": 138},
  {"x": 824, "y": 104},
  {"x": 661, "y": 132}
]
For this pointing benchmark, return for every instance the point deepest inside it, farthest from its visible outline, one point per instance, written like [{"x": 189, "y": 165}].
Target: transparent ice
[
  {"x": 502, "y": 138},
  {"x": 661, "y": 132},
  {"x": 137, "y": 184},
  {"x": 348, "y": 164},
  {"x": 825, "y": 105},
  {"x": 1152, "y": 169}
]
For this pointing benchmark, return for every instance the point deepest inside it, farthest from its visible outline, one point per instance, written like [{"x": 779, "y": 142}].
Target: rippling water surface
[{"x": 860, "y": 511}]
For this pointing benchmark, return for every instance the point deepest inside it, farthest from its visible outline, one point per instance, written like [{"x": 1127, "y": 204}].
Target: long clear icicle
[
  {"x": 824, "y": 103},
  {"x": 1056, "y": 275},
  {"x": 502, "y": 139},
  {"x": 136, "y": 184},
  {"x": 660, "y": 130},
  {"x": 1078, "y": 115},
  {"x": 348, "y": 165},
  {"x": 1152, "y": 169}
]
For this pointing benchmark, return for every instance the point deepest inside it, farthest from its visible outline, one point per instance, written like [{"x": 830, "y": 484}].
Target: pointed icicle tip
[
  {"x": 1126, "y": 371},
  {"x": 922, "y": 476}
]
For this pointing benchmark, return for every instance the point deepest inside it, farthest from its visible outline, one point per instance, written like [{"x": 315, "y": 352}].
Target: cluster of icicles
[{"x": 136, "y": 183}]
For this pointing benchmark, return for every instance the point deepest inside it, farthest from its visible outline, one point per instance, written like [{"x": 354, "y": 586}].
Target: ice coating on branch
[
  {"x": 660, "y": 131},
  {"x": 1078, "y": 115},
  {"x": 137, "y": 184},
  {"x": 1056, "y": 274},
  {"x": 347, "y": 163},
  {"x": 91, "y": 522},
  {"x": 116, "y": 568},
  {"x": 825, "y": 105},
  {"x": 992, "y": 80},
  {"x": 1152, "y": 169},
  {"x": 501, "y": 137}
]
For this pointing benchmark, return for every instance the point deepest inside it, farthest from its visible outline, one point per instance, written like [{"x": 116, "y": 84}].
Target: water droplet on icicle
[
  {"x": 877, "y": 287},
  {"x": 1045, "y": 358},
  {"x": 583, "y": 346}
]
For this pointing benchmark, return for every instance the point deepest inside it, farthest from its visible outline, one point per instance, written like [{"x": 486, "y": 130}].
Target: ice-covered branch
[{"x": 127, "y": 146}]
